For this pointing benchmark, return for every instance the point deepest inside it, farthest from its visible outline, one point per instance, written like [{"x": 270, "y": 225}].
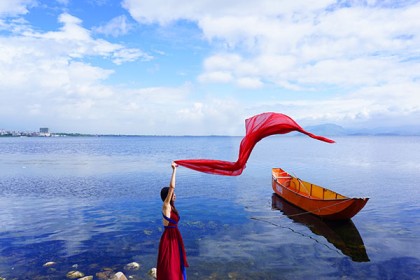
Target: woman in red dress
[{"x": 172, "y": 259}]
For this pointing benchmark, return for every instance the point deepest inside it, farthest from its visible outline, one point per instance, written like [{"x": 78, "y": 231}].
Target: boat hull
[{"x": 317, "y": 200}]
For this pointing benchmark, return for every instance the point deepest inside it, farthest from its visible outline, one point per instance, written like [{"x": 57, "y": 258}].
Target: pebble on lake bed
[
  {"x": 152, "y": 272},
  {"x": 48, "y": 264},
  {"x": 132, "y": 266},
  {"x": 107, "y": 274},
  {"x": 86, "y": 278},
  {"x": 233, "y": 275},
  {"x": 119, "y": 276},
  {"x": 74, "y": 274}
]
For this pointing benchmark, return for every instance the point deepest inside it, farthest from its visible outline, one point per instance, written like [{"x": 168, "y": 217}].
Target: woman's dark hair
[{"x": 163, "y": 194}]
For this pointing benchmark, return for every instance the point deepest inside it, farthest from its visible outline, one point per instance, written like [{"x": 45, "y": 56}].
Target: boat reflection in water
[{"x": 342, "y": 234}]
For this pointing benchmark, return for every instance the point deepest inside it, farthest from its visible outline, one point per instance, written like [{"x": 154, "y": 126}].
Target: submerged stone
[
  {"x": 152, "y": 272},
  {"x": 233, "y": 275},
  {"x": 107, "y": 274},
  {"x": 86, "y": 278},
  {"x": 119, "y": 276},
  {"x": 132, "y": 266},
  {"x": 74, "y": 274},
  {"x": 48, "y": 264}
]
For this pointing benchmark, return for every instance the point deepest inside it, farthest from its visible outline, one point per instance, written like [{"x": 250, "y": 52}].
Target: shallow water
[{"x": 93, "y": 203}]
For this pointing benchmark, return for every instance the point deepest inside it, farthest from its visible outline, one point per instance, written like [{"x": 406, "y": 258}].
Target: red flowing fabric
[{"x": 257, "y": 127}]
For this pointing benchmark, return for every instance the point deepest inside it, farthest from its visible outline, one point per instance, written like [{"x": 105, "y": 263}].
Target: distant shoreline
[
  {"x": 56, "y": 135},
  {"x": 328, "y": 130}
]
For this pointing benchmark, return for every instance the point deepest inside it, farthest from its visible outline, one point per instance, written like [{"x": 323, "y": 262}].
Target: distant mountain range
[{"x": 336, "y": 130}]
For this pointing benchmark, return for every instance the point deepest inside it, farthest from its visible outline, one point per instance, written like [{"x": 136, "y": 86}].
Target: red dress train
[{"x": 172, "y": 259}]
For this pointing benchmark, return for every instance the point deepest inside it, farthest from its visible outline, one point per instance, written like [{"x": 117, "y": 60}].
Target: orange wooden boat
[{"x": 315, "y": 199}]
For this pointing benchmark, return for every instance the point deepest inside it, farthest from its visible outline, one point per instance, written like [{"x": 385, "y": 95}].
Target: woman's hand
[{"x": 172, "y": 182}]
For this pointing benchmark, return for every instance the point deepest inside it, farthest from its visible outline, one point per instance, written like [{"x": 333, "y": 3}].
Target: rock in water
[
  {"x": 107, "y": 274},
  {"x": 74, "y": 274},
  {"x": 233, "y": 275},
  {"x": 152, "y": 272},
  {"x": 119, "y": 276},
  {"x": 132, "y": 266},
  {"x": 86, "y": 278},
  {"x": 48, "y": 264}
]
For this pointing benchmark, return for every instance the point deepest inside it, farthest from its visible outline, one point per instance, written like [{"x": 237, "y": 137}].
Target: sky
[{"x": 177, "y": 67}]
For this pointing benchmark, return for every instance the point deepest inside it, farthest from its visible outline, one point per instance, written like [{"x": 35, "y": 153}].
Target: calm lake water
[{"x": 91, "y": 204}]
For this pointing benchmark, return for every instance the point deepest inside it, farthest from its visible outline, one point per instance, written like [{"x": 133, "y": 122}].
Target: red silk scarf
[{"x": 257, "y": 127}]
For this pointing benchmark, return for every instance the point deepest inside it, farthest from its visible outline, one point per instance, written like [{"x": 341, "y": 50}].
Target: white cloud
[
  {"x": 226, "y": 68},
  {"x": 74, "y": 41},
  {"x": 39, "y": 60},
  {"x": 309, "y": 43},
  {"x": 216, "y": 76},
  {"x": 359, "y": 63},
  {"x": 249, "y": 82},
  {"x": 116, "y": 27},
  {"x": 45, "y": 79},
  {"x": 345, "y": 46},
  {"x": 145, "y": 11},
  {"x": 72, "y": 30},
  {"x": 365, "y": 51},
  {"x": 126, "y": 55},
  {"x": 15, "y": 7},
  {"x": 212, "y": 116},
  {"x": 221, "y": 61},
  {"x": 385, "y": 105}
]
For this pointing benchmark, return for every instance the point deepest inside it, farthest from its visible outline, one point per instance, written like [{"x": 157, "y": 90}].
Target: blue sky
[{"x": 178, "y": 67}]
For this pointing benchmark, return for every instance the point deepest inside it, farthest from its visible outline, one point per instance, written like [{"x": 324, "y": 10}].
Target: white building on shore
[{"x": 44, "y": 131}]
